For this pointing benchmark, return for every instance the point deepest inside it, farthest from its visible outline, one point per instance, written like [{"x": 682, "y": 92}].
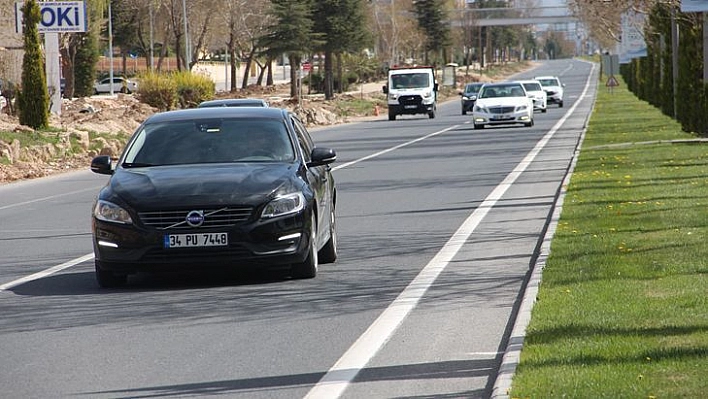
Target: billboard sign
[
  {"x": 694, "y": 5},
  {"x": 632, "y": 44},
  {"x": 57, "y": 16}
]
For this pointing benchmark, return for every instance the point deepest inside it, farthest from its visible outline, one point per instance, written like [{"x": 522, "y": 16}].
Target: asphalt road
[{"x": 439, "y": 228}]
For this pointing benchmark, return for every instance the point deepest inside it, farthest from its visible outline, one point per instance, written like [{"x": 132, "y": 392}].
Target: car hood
[
  {"x": 194, "y": 185},
  {"x": 501, "y": 102}
]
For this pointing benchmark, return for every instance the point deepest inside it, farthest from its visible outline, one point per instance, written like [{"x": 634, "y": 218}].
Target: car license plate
[
  {"x": 196, "y": 240},
  {"x": 500, "y": 117},
  {"x": 410, "y": 106}
]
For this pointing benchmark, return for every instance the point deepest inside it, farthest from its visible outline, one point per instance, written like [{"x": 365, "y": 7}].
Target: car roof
[
  {"x": 233, "y": 102},
  {"x": 218, "y": 112},
  {"x": 506, "y": 83},
  {"x": 546, "y": 77}
]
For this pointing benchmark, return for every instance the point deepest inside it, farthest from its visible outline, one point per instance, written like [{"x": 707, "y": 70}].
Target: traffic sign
[
  {"x": 612, "y": 82},
  {"x": 306, "y": 66},
  {"x": 56, "y": 16}
]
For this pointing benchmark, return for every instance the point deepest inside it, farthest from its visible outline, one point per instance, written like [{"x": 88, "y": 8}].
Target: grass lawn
[{"x": 622, "y": 309}]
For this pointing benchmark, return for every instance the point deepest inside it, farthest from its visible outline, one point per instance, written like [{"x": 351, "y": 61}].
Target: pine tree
[
  {"x": 291, "y": 33},
  {"x": 33, "y": 98},
  {"x": 432, "y": 21},
  {"x": 341, "y": 24}
]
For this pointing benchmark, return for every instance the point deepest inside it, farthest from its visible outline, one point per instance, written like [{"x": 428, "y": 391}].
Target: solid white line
[
  {"x": 45, "y": 273},
  {"x": 335, "y": 382},
  {"x": 45, "y": 198}
]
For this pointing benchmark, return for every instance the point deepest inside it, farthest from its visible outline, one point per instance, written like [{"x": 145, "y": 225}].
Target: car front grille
[
  {"x": 410, "y": 100},
  {"x": 501, "y": 110},
  {"x": 176, "y": 219}
]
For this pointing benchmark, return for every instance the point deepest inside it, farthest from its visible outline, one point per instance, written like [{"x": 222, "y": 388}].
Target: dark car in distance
[
  {"x": 234, "y": 102},
  {"x": 215, "y": 188},
  {"x": 469, "y": 96}
]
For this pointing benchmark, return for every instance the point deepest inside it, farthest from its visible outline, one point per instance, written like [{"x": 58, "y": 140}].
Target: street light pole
[
  {"x": 152, "y": 42},
  {"x": 110, "y": 46},
  {"x": 187, "y": 56}
]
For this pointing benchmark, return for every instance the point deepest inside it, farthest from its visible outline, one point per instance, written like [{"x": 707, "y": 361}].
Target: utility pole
[{"x": 674, "y": 57}]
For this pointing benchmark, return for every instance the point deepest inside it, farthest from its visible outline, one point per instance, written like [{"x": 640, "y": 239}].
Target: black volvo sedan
[{"x": 217, "y": 188}]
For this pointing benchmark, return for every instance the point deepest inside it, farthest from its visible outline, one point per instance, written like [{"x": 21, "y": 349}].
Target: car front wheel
[
  {"x": 328, "y": 253},
  {"x": 308, "y": 267}
]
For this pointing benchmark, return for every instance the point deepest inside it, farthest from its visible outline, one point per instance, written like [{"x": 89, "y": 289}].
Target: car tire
[
  {"x": 560, "y": 104},
  {"x": 431, "y": 115},
  {"x": 391, "y": 116},
  {"x": 529, "y": 124},
  {"x": 464, "y": 112},
  {"x": 478, "y": 126},
  {"x": 543, "y": 111},
  {"x": 308, "y": 267},
  {"x": 328, "y": 253},
  {"x": 109, "y": 279}
]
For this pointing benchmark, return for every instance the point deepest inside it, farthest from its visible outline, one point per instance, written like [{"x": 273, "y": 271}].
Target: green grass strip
[{"x": 622, "y": 309}]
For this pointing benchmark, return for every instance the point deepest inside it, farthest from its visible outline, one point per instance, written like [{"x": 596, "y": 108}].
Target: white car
[
  {"x": 537, "y": 94},
  {"x": 554, "y": 89},
  {"x": 120, "y": 85},
  {"x": 502, "y": 104}
]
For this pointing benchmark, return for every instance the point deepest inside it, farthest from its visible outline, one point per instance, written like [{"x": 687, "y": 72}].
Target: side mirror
[
  {"x": 385, "y": 89},
  {"x": 102, "y": 165},
  {"x": 435, "y": 87},
  {"x": 322, "y": 156}
]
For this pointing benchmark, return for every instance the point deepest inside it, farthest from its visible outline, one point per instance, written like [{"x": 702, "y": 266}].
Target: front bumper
[
  {"x": 481, "y": 118},
  {"x": 411, "y": 104},
  {"x": 131, "y": 249}
]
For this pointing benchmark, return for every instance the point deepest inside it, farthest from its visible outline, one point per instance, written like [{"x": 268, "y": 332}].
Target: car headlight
[
  {"x": 521, "y": 108},
  {"x": 466, "y": 98},
  {"x": 478, "y": 108},
  {"x": 284, "y": 205},
  {"x": 392, "y": 96},
  {"x": 427, "y": 94},
  {"x": 110, "y": 212}
]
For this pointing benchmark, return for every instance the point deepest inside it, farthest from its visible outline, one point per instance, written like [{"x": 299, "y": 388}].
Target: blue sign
[{"x": 57, "y": 16}]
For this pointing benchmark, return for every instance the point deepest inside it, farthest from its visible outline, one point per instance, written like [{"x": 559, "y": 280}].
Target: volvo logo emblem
[{"x": 195, "y": 218}]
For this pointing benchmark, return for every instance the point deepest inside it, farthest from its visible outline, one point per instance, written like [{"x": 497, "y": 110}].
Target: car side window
[{"x": 303, "y": 137}]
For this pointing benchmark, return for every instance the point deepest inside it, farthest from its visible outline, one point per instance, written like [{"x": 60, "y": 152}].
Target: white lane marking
[
  {"x": 45, "y": 273},
  {"x": 2, "y": 208},
  {"x": 376, "y": 154},
  {"x": 333, "y": 384}
]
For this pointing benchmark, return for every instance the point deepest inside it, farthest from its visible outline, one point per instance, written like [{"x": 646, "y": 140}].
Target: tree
[
  {"x": 291, "y": 33},
  {"x": 340, "y": 24},
  {"x": 84, "y": 45},
  {"x": 33, "y": 99},
  {"x": 432, "y": 20}
]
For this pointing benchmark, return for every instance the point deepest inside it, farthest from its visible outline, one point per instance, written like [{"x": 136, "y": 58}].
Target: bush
[
  {"x": 158, "y": 90},
  {"x": 193, "y": 88}
]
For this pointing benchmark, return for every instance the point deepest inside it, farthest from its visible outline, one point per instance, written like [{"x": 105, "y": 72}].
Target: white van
[{"x": 411, "y": 90}]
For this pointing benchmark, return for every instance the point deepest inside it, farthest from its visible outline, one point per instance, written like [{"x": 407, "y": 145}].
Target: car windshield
[
  {"x": 410, "y": 80},
  {"x": 532, "y": 86},
  {"x": 473, "y": 88},
  {"x": 210, "y": 141},
  {"x": 549, "y": 82},
  {"x": 511, "y": 90}
]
